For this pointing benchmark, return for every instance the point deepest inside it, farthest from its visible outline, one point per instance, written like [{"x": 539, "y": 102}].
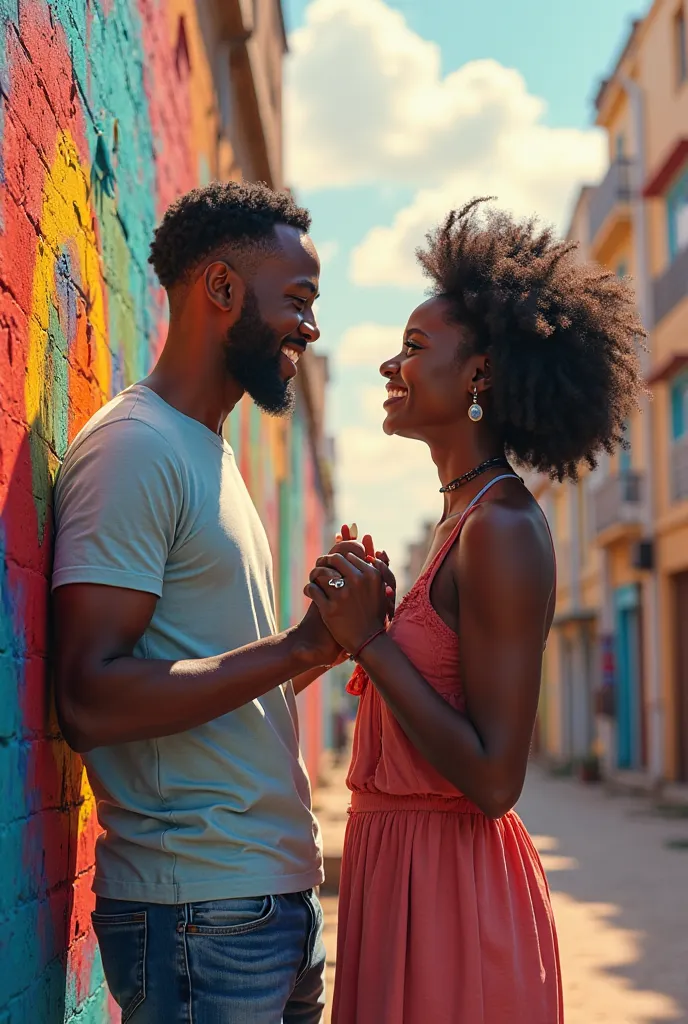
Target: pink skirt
[{"x": 444, "y": 918}]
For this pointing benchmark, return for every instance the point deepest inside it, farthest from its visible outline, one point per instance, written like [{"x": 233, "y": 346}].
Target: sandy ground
[{"x": 619, "y": 878}]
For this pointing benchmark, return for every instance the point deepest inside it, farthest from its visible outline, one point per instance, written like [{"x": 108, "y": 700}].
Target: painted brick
[
  {"x": 10, "y": 712},
  {"x": 81, "y": 317}
]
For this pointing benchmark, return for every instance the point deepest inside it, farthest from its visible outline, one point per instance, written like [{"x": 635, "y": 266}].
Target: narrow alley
[{"x": 618, "y": 872}]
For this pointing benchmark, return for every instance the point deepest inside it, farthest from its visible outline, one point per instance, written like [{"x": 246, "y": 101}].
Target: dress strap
[
  {"x": 359, "y": 680},
  {"x": 473, "y": 503}
]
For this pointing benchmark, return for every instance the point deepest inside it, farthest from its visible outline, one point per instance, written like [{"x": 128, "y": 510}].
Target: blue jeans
[{"x": 241, "y": 961}]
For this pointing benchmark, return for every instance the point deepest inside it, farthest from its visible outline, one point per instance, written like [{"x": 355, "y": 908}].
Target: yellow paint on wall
[
  {"x": 591, "y": 589},
  {"x": 552, "y": 681},
  {"x": 67, "y": 224},
  {"x": 619, "y": 567}
]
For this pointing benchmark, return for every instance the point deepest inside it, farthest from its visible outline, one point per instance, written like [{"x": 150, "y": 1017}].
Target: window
[
  {"x": 680, "y": 47},
  {"x": 679, "y": 408},
  {"x": 677, "y": 216}
]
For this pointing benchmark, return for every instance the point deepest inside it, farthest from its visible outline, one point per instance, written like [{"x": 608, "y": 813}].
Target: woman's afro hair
[{"x": 562, "y": 335}]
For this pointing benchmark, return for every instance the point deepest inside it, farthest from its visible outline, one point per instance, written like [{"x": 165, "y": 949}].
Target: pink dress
[{"x": 444, "y": 914}]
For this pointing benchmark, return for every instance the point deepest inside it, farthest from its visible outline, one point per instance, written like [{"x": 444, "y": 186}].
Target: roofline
[{"x": 606, "y": 82}]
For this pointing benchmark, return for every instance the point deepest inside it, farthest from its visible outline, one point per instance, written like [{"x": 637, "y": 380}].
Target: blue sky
[
  {"x": 397, "y": 110},
  {"x": 562, "y": 49}
]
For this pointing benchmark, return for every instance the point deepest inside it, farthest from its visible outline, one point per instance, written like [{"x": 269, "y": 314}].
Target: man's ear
[{"x": 224, "y": 287}]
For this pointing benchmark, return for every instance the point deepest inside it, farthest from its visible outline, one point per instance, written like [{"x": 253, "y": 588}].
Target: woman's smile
[{"x": 395, "y": 393}]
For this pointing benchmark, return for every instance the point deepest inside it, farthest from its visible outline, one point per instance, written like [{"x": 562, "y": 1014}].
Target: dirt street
[{"x": 619, "y": 879}]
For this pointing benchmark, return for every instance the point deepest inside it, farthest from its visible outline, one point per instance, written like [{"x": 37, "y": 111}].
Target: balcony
[
  {"x": 671, "y": 286},
  {"x": 617, "y": 508},
  {"x": 608, "y": 207},
  {"x": 679, "y": 469}
]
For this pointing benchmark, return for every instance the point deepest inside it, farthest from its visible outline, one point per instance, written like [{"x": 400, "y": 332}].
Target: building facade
[
  {"x": 616, "y": 674},
  {"x": 109, "y": 110}
]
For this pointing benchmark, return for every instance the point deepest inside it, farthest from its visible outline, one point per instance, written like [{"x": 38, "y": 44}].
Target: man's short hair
[{"x": 239, "y": 215}]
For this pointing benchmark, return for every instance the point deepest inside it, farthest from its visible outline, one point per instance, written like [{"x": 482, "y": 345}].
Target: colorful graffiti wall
[{"x": 108, "y": 112}]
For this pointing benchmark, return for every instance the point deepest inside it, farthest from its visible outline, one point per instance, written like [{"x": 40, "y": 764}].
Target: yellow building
[{"x": 616, "y": 674}]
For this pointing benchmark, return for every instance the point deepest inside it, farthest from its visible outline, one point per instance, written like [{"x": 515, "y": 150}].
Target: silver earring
[{"x": 475, "y": 412}]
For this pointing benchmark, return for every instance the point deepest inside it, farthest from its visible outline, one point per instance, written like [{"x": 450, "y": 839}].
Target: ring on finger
[{"x": 337, "y": 583}]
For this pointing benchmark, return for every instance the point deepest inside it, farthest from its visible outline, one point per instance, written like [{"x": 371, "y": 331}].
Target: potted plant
[{"x": 589, "y": 768}]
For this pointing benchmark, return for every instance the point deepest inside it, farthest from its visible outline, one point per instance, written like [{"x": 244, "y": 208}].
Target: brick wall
[{"x": 108, "y": 111}]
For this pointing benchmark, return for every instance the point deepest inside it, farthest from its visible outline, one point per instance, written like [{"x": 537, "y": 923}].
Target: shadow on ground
[{"x": 619, "y": 881}]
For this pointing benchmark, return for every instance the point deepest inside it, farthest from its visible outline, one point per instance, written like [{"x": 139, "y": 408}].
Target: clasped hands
[{"x": 354, "y": 591}]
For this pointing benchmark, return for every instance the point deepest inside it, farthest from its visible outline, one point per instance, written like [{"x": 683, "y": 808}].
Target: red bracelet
[{"x": 357, "y": 654}]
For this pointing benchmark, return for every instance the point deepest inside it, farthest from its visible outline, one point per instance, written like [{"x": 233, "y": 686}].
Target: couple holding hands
[{"x": 175, "y": 684}]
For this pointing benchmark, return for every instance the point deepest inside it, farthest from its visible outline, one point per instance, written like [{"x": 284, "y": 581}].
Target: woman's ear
[{"x": 482, "y": 373}]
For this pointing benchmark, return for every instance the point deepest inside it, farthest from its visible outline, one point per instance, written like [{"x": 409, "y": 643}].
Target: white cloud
[
  {"x": 537, "y": 173},
  {"x": 372, "y": 399},
  {"x": 327, "y": 251},
  {"x": 385, "y": 484},
  {"x": 367, "y": 345},
  {"x": 368, "y": 105},
  {"x": 351, "y": 74}
]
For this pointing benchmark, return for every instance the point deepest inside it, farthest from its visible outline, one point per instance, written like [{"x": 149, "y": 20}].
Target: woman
[{"x": 522, "y": 351}]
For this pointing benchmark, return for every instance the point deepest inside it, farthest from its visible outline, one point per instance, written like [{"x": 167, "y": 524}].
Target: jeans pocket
[
  {"x": 231, "y": 917},
  {"x": 314, "y": 941},
  {"x": 122, "y": 940}
]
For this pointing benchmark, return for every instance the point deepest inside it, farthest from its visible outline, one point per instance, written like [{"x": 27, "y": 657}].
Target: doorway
[{"x": 681, "y": 677}]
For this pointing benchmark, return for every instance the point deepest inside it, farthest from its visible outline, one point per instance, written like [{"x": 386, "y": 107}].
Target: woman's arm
[
  {"x": 366, "y": 549},
  {"x": 304, "y": 680},
  {"x": 503, "y": 570}
]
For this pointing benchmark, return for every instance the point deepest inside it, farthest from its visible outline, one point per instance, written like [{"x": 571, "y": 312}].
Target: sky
[{"x": 397, "y": 111}]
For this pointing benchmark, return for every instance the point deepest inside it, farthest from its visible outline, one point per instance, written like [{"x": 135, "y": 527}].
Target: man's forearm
[{"x": 130, "y": 699}]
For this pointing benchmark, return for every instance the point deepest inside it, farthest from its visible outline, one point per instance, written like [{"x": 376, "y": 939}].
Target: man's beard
[{"x": 253, "y": 359}]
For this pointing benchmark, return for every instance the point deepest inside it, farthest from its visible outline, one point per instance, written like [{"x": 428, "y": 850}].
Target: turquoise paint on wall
[
  {"x": 109, "y": 62},
  {"x": 676, "y": 200},
  {"x": 627, "y": 642},
  {"x": 679, "y": 407}
]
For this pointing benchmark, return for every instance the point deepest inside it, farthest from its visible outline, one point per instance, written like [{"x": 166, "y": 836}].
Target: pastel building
[{"x": 616, "y": 674}]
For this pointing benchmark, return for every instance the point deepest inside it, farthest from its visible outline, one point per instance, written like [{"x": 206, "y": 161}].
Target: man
[{"x": 206, "y": 872}]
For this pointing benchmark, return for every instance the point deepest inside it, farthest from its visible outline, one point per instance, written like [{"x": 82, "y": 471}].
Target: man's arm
[
  {"x": 119, "y": 505},
  {"x": 105, "y": 696},
  {"x": 363, "y": 550}
]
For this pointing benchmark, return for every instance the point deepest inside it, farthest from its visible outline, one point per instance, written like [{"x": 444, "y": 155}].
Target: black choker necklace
[{"x": 473, "y": 473}]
